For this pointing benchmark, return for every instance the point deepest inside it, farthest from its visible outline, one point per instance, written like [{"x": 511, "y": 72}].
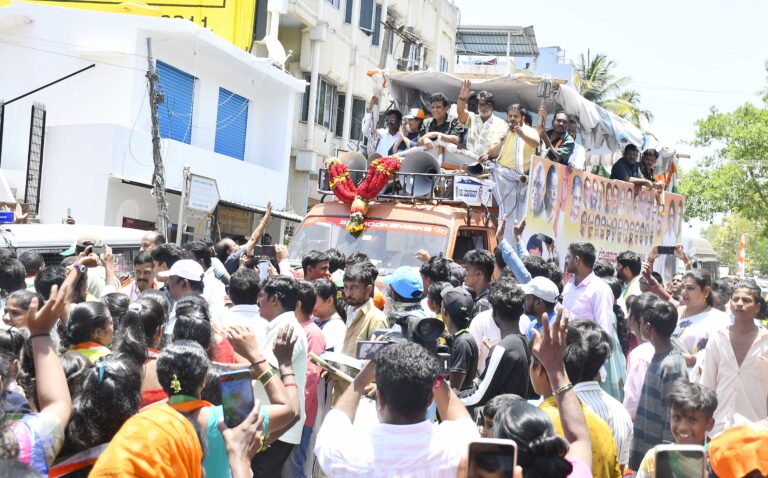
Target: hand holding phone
[
  {"x": 666, "y": 250},
  {"x": 680, "y": 461},
  {"x": 236, "y": 396},
  {"x": 263, "y": 269},
  {"x": 492, "y": 457},
  {"x": 369, "y": 349}
]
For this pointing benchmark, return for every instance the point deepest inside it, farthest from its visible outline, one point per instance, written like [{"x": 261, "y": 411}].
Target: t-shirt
[
  {"x": 605, "y": 461},
  {"x": 316, "y": 345},
  {"x": 450, "y": 126},
  {"x": 652, "y": 418},
  {"x": 39, "y": 437},
  {"x": 506, "y": 371},
  {"x": 622, "y": 170},
  {"x": 334, "y": 331},
  {"x": 694, "y": 331},
  {"x": 420, "y": 450},
  {"x": 464, "y": 357},
  {"x": 232, "y": 263}
]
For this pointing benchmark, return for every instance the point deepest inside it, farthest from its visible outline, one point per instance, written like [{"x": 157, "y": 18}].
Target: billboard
[
  {"x": 575, "y": 206},
  {"x": 232, "y": 20}
]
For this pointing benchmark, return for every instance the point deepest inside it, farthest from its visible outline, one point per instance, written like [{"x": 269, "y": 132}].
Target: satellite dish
[{"x": 276, "y": 51}]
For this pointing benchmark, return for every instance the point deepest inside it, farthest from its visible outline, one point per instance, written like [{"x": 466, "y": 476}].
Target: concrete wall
[{"x": 99, "y": 121}]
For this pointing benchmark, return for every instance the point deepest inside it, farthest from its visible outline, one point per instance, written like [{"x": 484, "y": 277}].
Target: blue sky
[{"x": 683, "y": 56}]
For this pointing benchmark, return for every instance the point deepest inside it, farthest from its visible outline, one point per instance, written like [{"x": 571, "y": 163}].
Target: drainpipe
[
  {"x": 351, "y": 77},
  {"x": 384, "y": 37},
  {"x": 313, "y": 84}
]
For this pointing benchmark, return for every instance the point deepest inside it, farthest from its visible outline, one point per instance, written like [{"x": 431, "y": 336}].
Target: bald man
[{"x": 150, "y": 240}]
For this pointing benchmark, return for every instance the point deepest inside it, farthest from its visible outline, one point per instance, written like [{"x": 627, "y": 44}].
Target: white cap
[
  {"x": 186, "y": 269},
  {"x": 542, "y": 288}
]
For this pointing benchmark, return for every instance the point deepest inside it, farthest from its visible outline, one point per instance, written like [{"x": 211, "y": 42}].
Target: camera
[{"x": 424, "y": 331}]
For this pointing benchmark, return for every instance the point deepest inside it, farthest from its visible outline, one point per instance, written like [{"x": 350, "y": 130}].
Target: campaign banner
[{"x": 575, "y": 206}]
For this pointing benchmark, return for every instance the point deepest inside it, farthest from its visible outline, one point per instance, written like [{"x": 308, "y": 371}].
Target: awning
[{"x": 599, "y": 127}]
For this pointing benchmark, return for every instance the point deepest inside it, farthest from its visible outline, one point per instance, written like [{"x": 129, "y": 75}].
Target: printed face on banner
[{"x": 573, "y": 206}]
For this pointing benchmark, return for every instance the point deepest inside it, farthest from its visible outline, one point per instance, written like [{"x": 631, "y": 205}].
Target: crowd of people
[{"x": 586, "y": 369}]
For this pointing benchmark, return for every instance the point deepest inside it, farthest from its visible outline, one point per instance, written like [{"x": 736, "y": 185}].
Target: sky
[{"x": 684, "y": 57}]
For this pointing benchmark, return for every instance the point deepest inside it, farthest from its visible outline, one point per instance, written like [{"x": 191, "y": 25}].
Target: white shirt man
[{"x": 591, "y": 299}]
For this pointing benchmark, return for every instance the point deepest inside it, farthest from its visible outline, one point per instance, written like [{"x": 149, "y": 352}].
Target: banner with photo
[{"x": 575, "y": 206}]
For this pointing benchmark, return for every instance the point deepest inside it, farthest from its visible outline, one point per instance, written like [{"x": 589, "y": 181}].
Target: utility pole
[{"x": 158, "y": 176}]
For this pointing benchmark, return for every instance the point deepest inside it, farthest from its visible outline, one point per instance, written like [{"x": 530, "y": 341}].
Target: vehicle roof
[
  {"x": 420, "y": 212},
  {"x": 64, "y": 235}
]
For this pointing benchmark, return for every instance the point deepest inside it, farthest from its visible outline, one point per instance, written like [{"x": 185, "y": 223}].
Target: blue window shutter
[
  {"x": 367, "y": 10},
  {"x": 348, "y": 12},
  {"x": 231, "y": 124},
  {"x": 375, "y": 39},
  {"x": 175, "y": 113}
]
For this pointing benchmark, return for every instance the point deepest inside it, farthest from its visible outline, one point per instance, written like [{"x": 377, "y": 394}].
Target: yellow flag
[{"x": 232, "y": 20}]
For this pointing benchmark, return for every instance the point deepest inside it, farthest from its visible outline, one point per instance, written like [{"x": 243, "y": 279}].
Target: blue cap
[{"x": 406, "y": 281}]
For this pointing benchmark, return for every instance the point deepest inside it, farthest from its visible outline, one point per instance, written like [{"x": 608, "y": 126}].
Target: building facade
[
  {"x": 333, "y": 45},
  {"x": 225, "y": 113}
]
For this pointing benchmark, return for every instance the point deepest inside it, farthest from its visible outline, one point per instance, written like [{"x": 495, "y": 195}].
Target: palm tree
[
  {"x": 627, "y": 105},
  {"x": 598, "y": 84}
]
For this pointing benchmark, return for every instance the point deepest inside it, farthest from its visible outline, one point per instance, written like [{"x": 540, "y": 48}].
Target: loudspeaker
[{"x": 422, "y": 163}]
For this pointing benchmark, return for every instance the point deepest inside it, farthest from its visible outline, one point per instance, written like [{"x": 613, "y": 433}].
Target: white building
[
  {"x": 227, "y": 114},
  {"x": 334, "y": 44}
]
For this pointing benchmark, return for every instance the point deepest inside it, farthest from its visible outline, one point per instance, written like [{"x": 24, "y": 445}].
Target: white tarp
[{"x": 600, "y": 129}]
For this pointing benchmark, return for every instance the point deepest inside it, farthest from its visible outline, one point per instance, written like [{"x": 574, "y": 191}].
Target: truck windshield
[{"x": 389, "y": 244}]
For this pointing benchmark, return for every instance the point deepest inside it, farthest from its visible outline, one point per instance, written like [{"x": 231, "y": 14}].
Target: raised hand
[{"x": 283, "y": 347}]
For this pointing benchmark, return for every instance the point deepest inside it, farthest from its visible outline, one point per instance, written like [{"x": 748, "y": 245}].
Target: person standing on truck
[
  {"x": 558, "y": 143},
  {"x": 484, "y": 129},
  {"x": 387, "y": 137},
  {"x": 441, "y": 126},
  {"x": 628, "y": 169}
]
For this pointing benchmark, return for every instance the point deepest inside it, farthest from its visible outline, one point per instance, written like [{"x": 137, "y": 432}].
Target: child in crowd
[
  {"x": 657, "y": 323},
  {"x": 639, "y": 357},
  {"x": 691, "y": 417}
]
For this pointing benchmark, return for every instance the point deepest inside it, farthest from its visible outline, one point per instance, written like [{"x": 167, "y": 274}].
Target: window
[
  {"x": 358, "y": 112},
  {"x": 443, "y": 64},
  {"x": 231, "y": 124},
  {"x": 367, "y": 13},
  {"x": 335, "y": 3},
  {"x": 175, "y": 113},
  {"x": 326, "y": 95},
  {"x": 375, "y": 39}
]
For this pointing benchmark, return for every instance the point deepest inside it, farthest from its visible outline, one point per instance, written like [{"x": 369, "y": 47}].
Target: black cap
[{"x": 458, "y": 302}]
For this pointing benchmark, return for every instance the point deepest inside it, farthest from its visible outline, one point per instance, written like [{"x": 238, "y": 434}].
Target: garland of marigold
[{"x": 379, "y": 172}]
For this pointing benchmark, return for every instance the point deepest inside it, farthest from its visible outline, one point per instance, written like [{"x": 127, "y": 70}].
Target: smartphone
[
  {"x": 492, "y": 457},
  {"x": 368, "y": 349},
  {"x": 667, "y": 250},
  {"x": 263, "y": 269},
  {"x": 236, "y": 396},
  {"x": 268, "y": 250},
  {"x": 98, "y": 250},
  {"x": 680, "y": 461},
  {"x": 443, "y": 363}
]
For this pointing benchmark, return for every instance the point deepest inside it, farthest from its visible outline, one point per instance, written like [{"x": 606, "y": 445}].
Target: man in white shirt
[
  {"x": 244, "y": 293},
  {"x": 578, "y": 159},
  {"x": 215, "y": 291},
  {"x": 484, "y": 129},
  {"x": 585, "y": 352},
  {"x": 586, "y": 296},
  {"x": 277, "y": 301},
  {"x": 388, "y": 136},
  {"x": 404, "y": 443}
]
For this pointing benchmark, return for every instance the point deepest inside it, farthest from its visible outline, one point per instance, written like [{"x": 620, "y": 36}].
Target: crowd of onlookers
[{"x": 587, "y": 369}]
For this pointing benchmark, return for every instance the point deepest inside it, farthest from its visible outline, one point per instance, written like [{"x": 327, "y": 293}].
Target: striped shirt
[
  {"x": 652, "y": 419},
  {"x": 610, "y": 410}
]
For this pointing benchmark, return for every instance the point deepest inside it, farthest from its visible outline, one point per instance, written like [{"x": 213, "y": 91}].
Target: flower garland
[{"x": 379, "y": 172}]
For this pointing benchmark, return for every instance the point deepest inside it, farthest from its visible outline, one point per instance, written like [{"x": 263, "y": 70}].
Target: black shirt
[
  {"x": 450, "y": 126},
  {"x": 506, "y": 371},
  {"x": 622, "y": 170},
  {"x": 481, "y": 302},
  {"x": 464, "y": 355}
]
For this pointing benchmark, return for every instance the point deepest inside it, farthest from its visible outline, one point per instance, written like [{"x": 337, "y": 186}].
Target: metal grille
[
  {"x": 35, "y": 158},
  {"x": 2, "y": 122}
]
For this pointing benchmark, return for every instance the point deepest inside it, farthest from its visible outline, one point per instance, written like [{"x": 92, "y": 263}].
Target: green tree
[
  {"x": 734, "y": 178},
  {"x": 599, "y": 84},
  {"x": 725, "y": 240}
]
